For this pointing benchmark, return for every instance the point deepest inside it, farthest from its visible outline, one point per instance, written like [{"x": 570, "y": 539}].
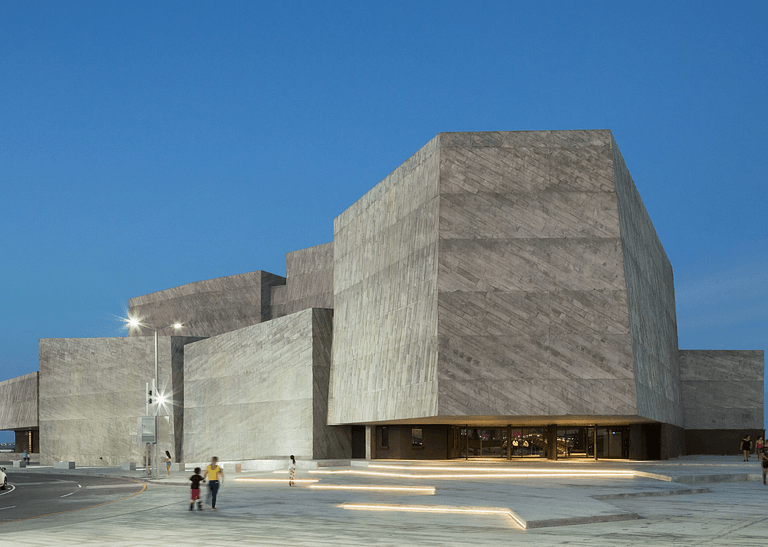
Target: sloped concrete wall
[
  {"x": 308, "y": 281},
  {"x": 251, "y": 393},
  {"x": 532, "y": 298},
  {"x": 18, "y": 402},
  {"x": 723, "y": 390},
  {"x": 651, "y": 299},
  {"x": 92, "y": 393},
  {"x": 385, "y": 298},
  {"x": 207, "y": 308}
]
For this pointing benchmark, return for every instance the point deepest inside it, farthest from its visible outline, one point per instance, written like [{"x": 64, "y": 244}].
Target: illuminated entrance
[{"x": 533, "y": 442}]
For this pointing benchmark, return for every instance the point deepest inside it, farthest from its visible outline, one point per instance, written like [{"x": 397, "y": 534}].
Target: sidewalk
[{"x": 702, "y": 500}]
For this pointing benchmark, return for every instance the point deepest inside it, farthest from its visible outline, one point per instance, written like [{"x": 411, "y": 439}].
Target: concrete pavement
[{"x": 702, "y": 500}]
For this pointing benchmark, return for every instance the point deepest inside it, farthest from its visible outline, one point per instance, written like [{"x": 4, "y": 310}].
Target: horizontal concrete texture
[
  {"x": 92, "y": 394},
  {"x": 308, "y": 281},
  {"x": 651, "y": 300},
  {"x": 18, "y": 402},
  {"x": 385, "y": 298},
  {"x": 207, "y": 308},
  {"x": 722, "y": 389},
  {"x": 256, "y": 392}
]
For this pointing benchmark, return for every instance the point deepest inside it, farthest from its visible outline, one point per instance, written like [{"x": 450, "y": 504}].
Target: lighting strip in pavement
[
  {"x": 506, "y": 475},
  {"x": 490, "y": 469},
  {"x": 274, "y": 480},
  {"x": 438, "y": 509},
  {"x": 430, "y": 490}
]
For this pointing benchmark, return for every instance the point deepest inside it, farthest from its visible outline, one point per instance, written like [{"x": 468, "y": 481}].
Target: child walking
[
  {"x": 196, "y": 479},
  {"x": 291, "y": 471}
]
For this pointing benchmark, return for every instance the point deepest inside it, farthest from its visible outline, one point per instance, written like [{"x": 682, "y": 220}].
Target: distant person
[
  {"x": 167, "y": 462},
  {"x": 746, "y": 447},
  {"x": 759, "y": 443},
  {"x": 763, "y": 455},
  {"x": 196, "y": 479},
  {"x": 291, "y": 471},
  {"x": 24, "y": 456},
  {"x": 215, "y": 476}
]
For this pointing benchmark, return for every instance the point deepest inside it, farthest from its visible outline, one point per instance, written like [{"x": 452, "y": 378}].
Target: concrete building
[{"x": 498, "y": 295}]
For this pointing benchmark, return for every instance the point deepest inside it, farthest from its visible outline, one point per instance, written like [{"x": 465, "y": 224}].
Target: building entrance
[
  {"x": 532, "y": 442},
  {"x": 500, "y": 442}
]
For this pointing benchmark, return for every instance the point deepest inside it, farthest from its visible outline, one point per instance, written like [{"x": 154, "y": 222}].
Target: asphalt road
[{"x": 35, "y": 495}]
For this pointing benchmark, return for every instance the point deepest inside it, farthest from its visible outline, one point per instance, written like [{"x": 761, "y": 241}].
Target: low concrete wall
[{"x": 14, "y": 456}]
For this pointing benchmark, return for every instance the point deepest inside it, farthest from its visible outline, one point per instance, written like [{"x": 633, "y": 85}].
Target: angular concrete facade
[
  {"x": 309, "y": 281},
  {"x": 497, "y": 290},
  {"x": 92, "y": 394},
  {"x": 501, "y": 275},
  {"x": 260, "y": 392},
  {"x": 207, "y": 308},
  {"x": 18, "y": 402}
]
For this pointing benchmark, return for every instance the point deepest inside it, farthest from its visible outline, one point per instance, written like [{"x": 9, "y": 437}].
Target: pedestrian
[
  {"x": 167, "y": 462},
  {"x": 759, "y": 443},
  {"x": 24, "y": 456},
  {"x": 215, "y": 476},
  {"x": 291, "y": 471},
  {"x": 196, "y": 479},
  {"x": 763, "y": 455},
  {"x": 746, "y": 447}
]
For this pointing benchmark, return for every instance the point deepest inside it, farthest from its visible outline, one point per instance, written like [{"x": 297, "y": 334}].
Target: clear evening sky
[{"x": 145, "y": 145}]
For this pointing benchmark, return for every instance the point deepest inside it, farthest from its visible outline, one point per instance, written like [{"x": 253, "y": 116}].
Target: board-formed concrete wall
[
  {"x": 532, "y": 301},
  {"x": 722, "y": 389},
  {"x": 18, "y": 402},
  {"x": 256, "y": 393},
  {"x": 554, "y": 295},
  {"x": 308, "y": 281},
  {"x": 92, "y": 394},
  {"x": 207, "y": 308},
  {"x": 385, "y": 298},
  {"x": 651, "y": 299}
]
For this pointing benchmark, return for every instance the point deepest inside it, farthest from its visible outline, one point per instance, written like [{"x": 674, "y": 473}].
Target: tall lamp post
[{"x": 157, "y": 399}]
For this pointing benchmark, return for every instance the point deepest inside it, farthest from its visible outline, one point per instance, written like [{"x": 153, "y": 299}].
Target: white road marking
[
  {"x": 43, "y": 483},
  {"x": 121, "y": 485},
  {"x": 65, "y": 495},
  {"x": 12, "y": 488},
  {"x": 10, "y": 507}
]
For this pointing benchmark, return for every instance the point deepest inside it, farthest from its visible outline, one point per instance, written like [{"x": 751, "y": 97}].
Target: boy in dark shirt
[{"x": 196, "y": 479}]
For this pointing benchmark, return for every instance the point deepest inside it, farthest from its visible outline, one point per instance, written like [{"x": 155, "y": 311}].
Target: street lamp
[{"x": 157, "y": 399}]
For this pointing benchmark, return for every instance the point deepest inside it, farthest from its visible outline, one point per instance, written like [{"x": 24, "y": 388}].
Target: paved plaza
[{"x": 687, "y": 501}]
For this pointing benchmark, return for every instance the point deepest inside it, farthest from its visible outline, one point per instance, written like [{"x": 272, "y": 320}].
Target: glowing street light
[{"x": 154, "y": 397}]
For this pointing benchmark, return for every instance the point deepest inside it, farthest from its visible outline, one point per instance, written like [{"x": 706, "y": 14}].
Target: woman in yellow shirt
[{"x": 215, "y": 476}]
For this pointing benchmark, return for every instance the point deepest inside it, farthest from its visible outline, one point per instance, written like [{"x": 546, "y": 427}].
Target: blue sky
[{"x": 145, "y": 145}]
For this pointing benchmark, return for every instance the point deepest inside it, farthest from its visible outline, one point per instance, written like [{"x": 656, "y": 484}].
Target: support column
[
  {"x": 509, "y": 442},
  {"x": 370, "y": 438},
  {"x": 594, "y": 442},
  {"x": 550, "y": 434}
]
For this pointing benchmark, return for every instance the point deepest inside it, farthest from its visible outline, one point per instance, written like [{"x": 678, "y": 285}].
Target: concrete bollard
[
  {"x": 63, "y": 465},
  {"x": 178, "y": 467},
  {"x": 19, "y": 463},
  {"x": 128, "y": 466}
]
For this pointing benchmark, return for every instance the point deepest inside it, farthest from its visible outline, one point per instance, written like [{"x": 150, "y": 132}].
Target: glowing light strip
[
  {"x": 424, "y": 490},
  {"x": 437, "y": 509},
  {"x": 488, "y": 469},
  {"x": 274, "y": 480},
  {"x": 572, "y": 474}
]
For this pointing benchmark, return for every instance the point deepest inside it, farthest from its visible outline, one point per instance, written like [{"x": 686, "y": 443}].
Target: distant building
[{"x": 498, "y": 295}]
